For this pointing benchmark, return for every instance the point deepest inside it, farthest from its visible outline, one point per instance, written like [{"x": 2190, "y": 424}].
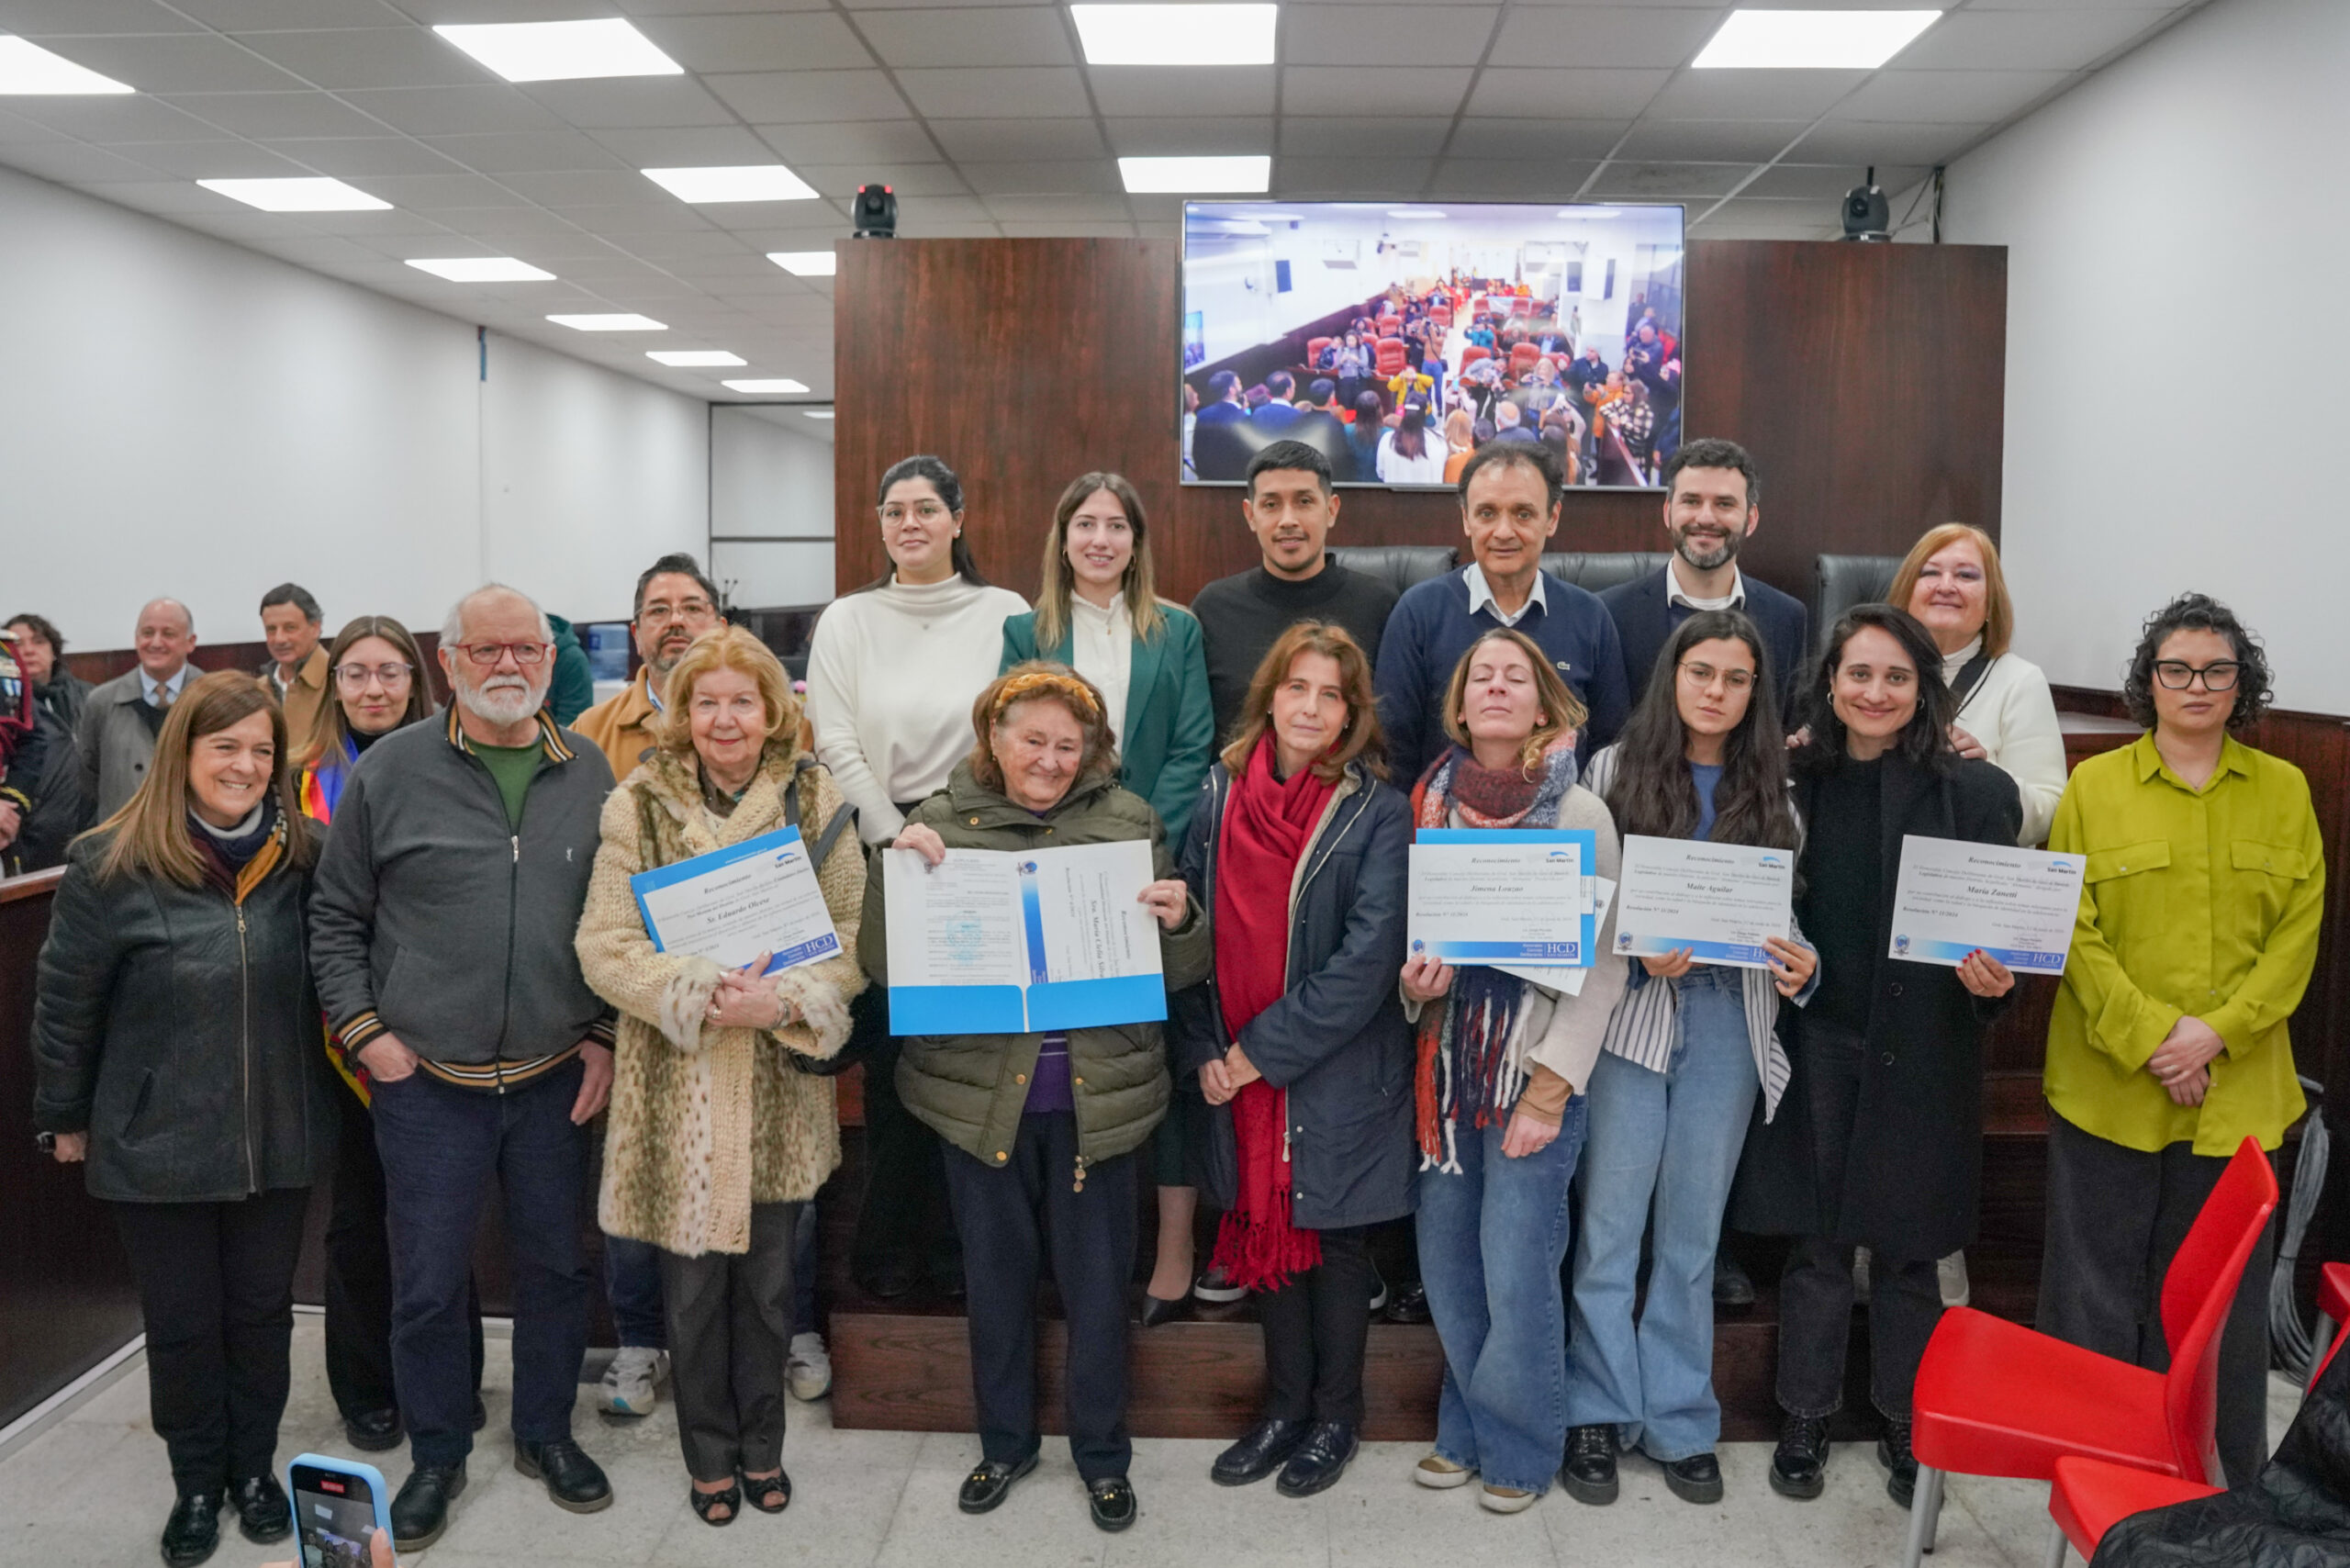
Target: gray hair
[{"x": 453, "y": 630}]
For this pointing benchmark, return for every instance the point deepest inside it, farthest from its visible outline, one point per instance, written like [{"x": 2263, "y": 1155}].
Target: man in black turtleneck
[{"x": 1290, "y": 509}]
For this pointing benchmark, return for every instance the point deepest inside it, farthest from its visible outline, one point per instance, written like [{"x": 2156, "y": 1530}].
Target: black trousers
[
  {"x": 2116, "y": 1217},
  {"x": 359, "y": 1275},
  {"x": 729, "y": 1318},
  {"x": 216, "y": 1286},
  {"x": 904, "y": 1220},
  {"x": 1816, "y": 1287},
  {"x": 1010, "y": 1217},
  {"x": 1316, "y": 1328}
]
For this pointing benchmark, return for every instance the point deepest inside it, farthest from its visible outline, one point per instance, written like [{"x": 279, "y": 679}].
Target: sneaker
[
  {"x": 808, "y": 1369},
  {"x": 1951, "y": 1274},
  {"x": 1506, "y": 1499},
  {"x": 1440, "y": 1474},
  {"x": 1379, "y": 1296},
  {"x": 1213, "y": 1286},
  {"x": 631, "y": 1382}
]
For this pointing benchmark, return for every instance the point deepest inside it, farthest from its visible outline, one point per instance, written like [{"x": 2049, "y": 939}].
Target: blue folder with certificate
[
  {"x": 733, "y": 904},
  {"x": 1503, "y": 896},
  {"x": 999, "y": 942}
]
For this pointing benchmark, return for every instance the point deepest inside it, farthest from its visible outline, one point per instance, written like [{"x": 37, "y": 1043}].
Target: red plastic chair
[
  {"x": 1391, "y": 357},
  {"x": 1996, "y": 1398},
  {"x": 1314, "y": 347},
  {"x": 1474, "y": 353},
  {"x": 1440, "y": 315},
  {"x": 2090, "y": 1496},
  {"x": 1390, "y": 325},
  {"x": 2333, "y": 1311},
  {"x": 1522, "y": 357}
]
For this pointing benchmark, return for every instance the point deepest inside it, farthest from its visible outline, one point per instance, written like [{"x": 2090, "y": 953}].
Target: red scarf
[{"x": 1266, "y": 827}]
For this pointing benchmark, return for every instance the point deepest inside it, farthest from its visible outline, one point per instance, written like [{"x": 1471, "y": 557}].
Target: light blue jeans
[
  {"x": 1663, "y": 1148},
  {"x": 1492, "y": 1238}
]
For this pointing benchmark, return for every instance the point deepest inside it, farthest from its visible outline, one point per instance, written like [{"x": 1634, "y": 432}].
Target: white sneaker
[
  {"x": 631, "y": 1382},
  {"x": 1951, "y": 1274},
  {"x": 809, "y": 1368}
]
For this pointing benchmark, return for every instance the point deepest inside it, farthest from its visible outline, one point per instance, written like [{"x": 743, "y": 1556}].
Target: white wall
[
  {"x": 771, "y": 506},
  {"x": 2175, "y": 236},
  {"x": 181, "y": 416}
]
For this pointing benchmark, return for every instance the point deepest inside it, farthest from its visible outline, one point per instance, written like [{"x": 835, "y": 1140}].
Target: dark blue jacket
[
  {"x": 1338, "y": 1039},
  {"x": 1644, "y": 622}
]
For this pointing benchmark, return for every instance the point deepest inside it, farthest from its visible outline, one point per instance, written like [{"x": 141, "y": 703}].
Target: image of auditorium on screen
[{"x": 1397, "y": 339}]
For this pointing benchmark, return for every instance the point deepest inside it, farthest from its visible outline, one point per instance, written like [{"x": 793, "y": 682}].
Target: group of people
[{"x": 450, "y": 896}]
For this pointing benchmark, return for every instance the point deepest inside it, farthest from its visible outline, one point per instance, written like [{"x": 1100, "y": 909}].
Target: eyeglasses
[
  {"x": 486, "y": 655},
  {"x": 690, "y": 613},
  {"x": 354, "y": 677},
  {"x": 1703, "y": 676},
  {"x": 2178, "y": 675},
  {"x": 926, "y": 511}
]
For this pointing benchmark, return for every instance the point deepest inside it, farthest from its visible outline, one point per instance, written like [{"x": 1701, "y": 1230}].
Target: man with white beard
[{"x": 440, "y": 934}]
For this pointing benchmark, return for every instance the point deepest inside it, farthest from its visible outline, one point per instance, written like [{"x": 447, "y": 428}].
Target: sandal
[
  {"x": 731, "y": 1500},
  {"x": 769, "y": 1494}
]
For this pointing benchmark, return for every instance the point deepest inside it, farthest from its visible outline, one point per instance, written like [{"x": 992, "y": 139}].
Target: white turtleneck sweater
[
  {"x": 2012, "y": 712},
  {"x": 892, "y": 674}
]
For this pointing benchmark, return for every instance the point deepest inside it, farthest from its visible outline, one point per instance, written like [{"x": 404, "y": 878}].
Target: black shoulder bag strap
[{"x": 1970, "y": 676}]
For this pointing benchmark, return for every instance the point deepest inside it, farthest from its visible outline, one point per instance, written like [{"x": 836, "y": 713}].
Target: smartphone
[{"x": 336, "y": 1503}]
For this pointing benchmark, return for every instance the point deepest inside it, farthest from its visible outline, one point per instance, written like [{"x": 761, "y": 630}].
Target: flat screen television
[{"x": 1391, "y": 336}]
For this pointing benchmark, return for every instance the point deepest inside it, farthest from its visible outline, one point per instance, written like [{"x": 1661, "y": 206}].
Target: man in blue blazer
[{"x": 1712, "y": 502}]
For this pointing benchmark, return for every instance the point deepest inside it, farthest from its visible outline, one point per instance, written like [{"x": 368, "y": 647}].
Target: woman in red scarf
[{"x": 1299, "y": 856}]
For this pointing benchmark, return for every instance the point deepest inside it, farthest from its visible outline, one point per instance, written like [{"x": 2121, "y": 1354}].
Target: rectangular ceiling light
[
  {"x": 561, "y": 52},
  {"x": 777, "y": 385},
  {"x": 483, "y": 269},
  {"x": 694, "y": 359},
  {"x": 806, "y": 264},
  {"x": 616, "y": 323},
  {"x": 1811, "y": 40},
  {"x": 29, "y": 69},
  {"x": 749, "y": 182},
  {"x": 303, "y": 193},
  {"x": 1176, "y": 35},
  {"x": 1197, "y": 176},
  {"x": 820, "y": 413}
]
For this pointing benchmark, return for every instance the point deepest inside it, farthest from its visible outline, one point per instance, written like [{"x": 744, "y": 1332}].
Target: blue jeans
[
  {"x": 1491, "y": 1236},
  {"x": 632, "y": 1281},
  {"x": 1662, "y": 1144},
  {"x": 442, "y": 1146}
]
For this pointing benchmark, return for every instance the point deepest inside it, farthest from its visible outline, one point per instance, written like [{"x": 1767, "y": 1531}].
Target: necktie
[{"x": 163, "y": 697}]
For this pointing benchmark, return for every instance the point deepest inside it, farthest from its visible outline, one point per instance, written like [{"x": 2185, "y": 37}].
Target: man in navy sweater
[
  {"x": 1712, "y": 502},
  {"x": 1509, "y": 505}
]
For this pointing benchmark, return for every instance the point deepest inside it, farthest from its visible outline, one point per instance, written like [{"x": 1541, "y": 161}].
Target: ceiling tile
[
  {"x": 1219, "y": 133},
  {"x": 1388, "y": 89},
  {"x": 1059, "y": 209},
  {"x": 797, "y": 97},
  {"x": 997, "y": 92},
  {"x": 1169, "y": 90},
  {"x": 793, "y": 41},
  {"x": 1747, "y": 218},
  {"x": 433, "y": 193},
  {"x": 1544, "y": 182},
  {"x": 942, "y": 209},
  {"x": 169, "y": 197},
  {"x": 1014, "y": 140},
  {"x": 278, "y": 113},
  {"x": 1068, "y": 229},
  {"x": 1877, "y": 141},
  {"x": 436, "y": 11},
  {"x": 1336, "y": 138},
  {"x": 884, "y": 140},
  {"x": 1826, "y": 183},
  {"x": 395, "y": 222},
  {"x": 1948, "y": 96},
  {"x": 1753, "y": 94},
  {"x": 1350, "y": 176},
  {"x": 248, "y": 15},
  {"x": 14, "y": 128},
  {"x": 526, "y": 150},
  {"x": 352, "y": 158},
  {"x": 1342, "y": 35},
  {"x": 35, "y": 19},
  {"x": 72, "y": 163},
  {"x": 181, "y": 63},
  {"x": 1091, "y": 176},
  {"x": 111, "y": 119},
  {"x": 685, "y": 147},
  {"x": 213, "y": 160},
  {"x": 496, "y": 226},
  {"x": 376, "y": 57},
  {"x": 1567, "y": 93},
  {"x": 2067, "y": 40},
  {"x": 455, "y": 111},
  {"x": 841, "y": 180},
  {"x": 621, "y": 222},
  {"x": 686, "y": 242},
  {"x": 1653, "y": 182},
  {"x": 996, "y": 34},
  {"x": 1478, "y": 137},
  {"x": 632, "y": 101},
  {"x": 1720, "y": 141},
  {"x": 1605, "y": 36},
  {"x": 927, "y": 229},
  {"x": 586, "y": 187}
]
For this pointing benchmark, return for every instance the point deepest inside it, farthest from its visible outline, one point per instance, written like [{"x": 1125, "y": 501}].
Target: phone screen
[{"x": 333, "y": 1513}]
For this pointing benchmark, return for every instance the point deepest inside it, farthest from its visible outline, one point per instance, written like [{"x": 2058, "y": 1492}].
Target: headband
[{"x": 1045, "y": 683}]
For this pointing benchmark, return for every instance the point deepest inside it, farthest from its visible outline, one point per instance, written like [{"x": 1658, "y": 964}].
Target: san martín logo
[
  {"x": 2063, "y": 868},
  {"x": 1900, "y": 946},
  {"x": 1776, "y": 862},
  {"x": 1028, "y": 867},
  {"x": 1560, "y": 854},
  {"x": 1624, "y": 940}
]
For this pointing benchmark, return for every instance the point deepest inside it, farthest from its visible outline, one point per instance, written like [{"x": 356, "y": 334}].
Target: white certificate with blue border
[
  {"x": 1501, "y": 896},
  {"x": 733, "y": 904},
  {"x": 1720, "y": 900},
  {"x": 997, "y": 941},
  {"x": 1955, "y": 897}
]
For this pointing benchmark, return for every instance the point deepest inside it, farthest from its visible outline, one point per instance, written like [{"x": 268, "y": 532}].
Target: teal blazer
[{"x": 1170, "y": 728}]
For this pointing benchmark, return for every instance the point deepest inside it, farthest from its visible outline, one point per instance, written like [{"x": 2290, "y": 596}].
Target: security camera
[
  {"x": 875, "y": 213},
  {"x": 1866, "y": 215}
]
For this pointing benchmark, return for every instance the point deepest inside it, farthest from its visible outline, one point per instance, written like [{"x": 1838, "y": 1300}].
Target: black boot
[
  {"x": 263, "y": 1514},
  {"x": 1901, "y": 1465},
  {"x": 1265, "y": 1450},
  {"x": 1589, "y": 1474},
  {"x": 1329, "y": 1447},
  {"x": 1697, "y": 1479},
  {"x": 573, "y": 1481},
  {"x": 192, "y": 1532},
  {"x": 1799, "y": 1465},
  {"x": 420, "y": 1511}
]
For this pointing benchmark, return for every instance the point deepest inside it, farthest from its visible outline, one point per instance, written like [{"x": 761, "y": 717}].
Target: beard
[
  {"x": 1707, "y": 560},
  {"x": 501, "y": 699}
]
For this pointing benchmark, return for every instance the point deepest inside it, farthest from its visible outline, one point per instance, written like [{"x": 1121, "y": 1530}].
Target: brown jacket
[
  {"x": 303, "y": 696},
  {"x": 621, "y": 726}
]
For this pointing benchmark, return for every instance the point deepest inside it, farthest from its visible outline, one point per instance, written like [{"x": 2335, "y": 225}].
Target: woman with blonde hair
[
  {"x": 716, "y": 1140},
  {"x": 1461, "y": 443}
]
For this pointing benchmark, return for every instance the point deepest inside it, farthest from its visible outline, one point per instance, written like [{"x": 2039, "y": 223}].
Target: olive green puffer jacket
[{"x": 972, "y": 1088}]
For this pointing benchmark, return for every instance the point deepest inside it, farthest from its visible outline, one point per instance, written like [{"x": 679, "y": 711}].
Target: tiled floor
[{"x": 92, "y": 1490}]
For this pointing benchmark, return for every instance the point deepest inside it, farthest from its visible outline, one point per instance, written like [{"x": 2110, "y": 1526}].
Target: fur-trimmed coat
[{"x": 706, "y": 1122}]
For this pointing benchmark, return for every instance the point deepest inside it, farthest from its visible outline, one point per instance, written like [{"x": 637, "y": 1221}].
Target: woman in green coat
[{"x": 1095, "y": 613}]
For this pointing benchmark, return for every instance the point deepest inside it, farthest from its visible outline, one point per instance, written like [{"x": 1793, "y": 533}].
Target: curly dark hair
[
  {"x": 2198, "y": 612},
  {"x": 1924, "y": 742}
]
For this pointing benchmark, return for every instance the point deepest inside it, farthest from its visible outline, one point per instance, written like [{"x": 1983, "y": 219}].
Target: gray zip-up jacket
[{"x": 431, "y": 919}]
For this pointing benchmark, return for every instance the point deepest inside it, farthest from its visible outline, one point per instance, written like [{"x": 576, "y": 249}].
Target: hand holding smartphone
[{"x": 343, "y": 1513}]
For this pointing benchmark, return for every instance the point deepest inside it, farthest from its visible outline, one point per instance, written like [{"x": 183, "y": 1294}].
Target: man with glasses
[
  {"x": 674, "y": 604},
  {"x": 441, "y": 935}
]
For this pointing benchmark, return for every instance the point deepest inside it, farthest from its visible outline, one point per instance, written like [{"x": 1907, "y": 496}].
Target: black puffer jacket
[{"x": 179, "y": 1030}]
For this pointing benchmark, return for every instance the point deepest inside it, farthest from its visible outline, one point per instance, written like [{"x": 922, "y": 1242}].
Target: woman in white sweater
[{"x": 1950, "y": 581}]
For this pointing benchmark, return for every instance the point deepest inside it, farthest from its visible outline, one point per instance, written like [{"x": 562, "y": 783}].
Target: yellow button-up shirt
[{"x": 2201, "y": 902}]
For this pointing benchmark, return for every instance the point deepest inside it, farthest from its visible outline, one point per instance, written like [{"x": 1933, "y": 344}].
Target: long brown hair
[
  {"x": 1042, "y": 680},
  {"x": 151, "y": 837},
  {"x": 1653, "y": 792},
  {"x": 1361, "y": 739},
  {"x": 332, "y": 726},
  {"x": 1562, "y": 715},
  {"x": 1998, "y": 609},
  {"x": 1054, "y": 587}
]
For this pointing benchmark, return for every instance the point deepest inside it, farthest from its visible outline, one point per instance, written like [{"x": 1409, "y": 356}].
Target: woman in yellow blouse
[{"x": 2196, "y": 934}]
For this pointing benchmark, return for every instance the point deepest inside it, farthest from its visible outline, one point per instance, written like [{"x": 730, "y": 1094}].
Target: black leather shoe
[
  {"x": 1901, "y": 1465},
  {"x": 192, "y": 1532},
  {"x": 1697, "y": 1479},
  {"x": 263, "y": 1514},
  {"x": 1113, "y": 1502},
  {"x": 1156, "y": 1310},
  {"x": 1589, "y": 1474},
  {"x": 1265, "y": 1450},
  {"x": 1799, "y": 1464},
  {"x": 375, "y": 1432},
  {"x": 420, "y": 1511},
  {"x": 987, "y": 1485},
  {"x": 1410, "y": 1306},
  {"x": 1732, "y": 1285},
  {"x": 1320, "y": 1460},
  {"x": 573, "y": 1481}
]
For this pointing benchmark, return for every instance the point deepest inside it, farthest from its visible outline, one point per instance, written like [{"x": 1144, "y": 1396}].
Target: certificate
[
  {"x": 1720, "y": 900},
  {"x": 2016, "y": 904},
  {"x": 733, "y": 904},
  {"x": 1501, "y": 896},
  {"x": 994, "y": 941},
  {"x": 1566, "y": 981}
]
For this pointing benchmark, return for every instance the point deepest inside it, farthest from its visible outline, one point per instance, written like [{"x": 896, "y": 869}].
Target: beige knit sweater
[{"x": 704, "y": 1122}]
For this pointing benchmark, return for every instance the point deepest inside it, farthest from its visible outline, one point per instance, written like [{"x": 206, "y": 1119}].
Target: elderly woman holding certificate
[
  {"x": 715, "y": 1140},
  {"x": 1041, "y": 1128}
]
